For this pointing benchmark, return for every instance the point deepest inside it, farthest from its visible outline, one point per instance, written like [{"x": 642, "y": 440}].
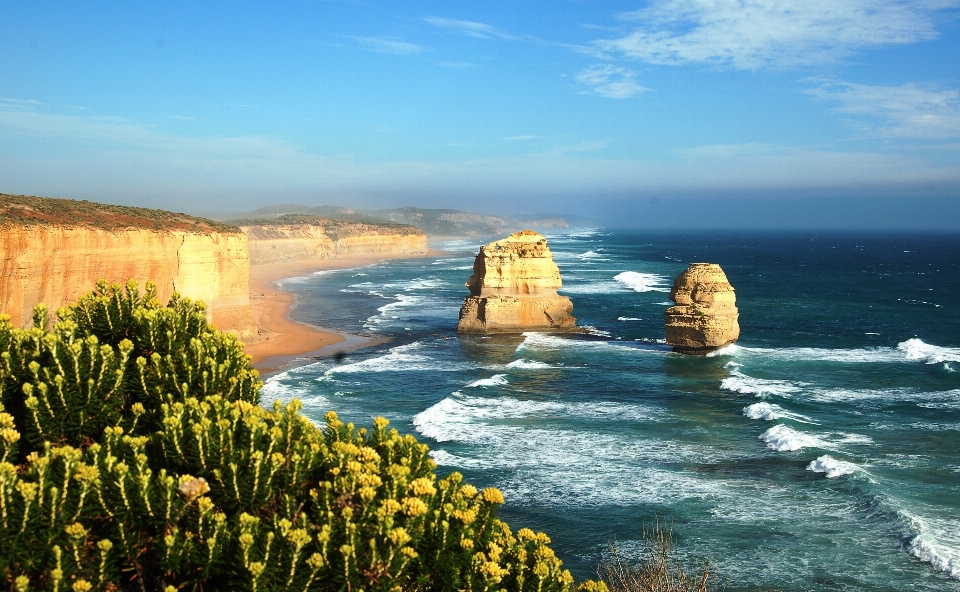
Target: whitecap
[
  {"x": 910, "y": 350},
  {"x": 628, "y": 319},
  {"x": 761, "y": 387},
  {"x": 937, "y": 542},
  {"x": 548, "y": 342},
  {"x": 642, "y": 282},
  {"x": 771, "y": 412},
  {"x": 783, "y": 438},
  {"x": 916, "y": 349},
  {"x": 727, "y": 350},
  {"x": 495, "y": 380},
  {"x": 522, "y": 364},
  {"x": 786, "y": 439},
  {"x": 832, "y": 467},
  {"x": 591, "y": 256}
]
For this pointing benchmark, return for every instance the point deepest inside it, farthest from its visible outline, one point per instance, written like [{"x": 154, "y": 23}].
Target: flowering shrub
[{"x": 134, "y": 456}]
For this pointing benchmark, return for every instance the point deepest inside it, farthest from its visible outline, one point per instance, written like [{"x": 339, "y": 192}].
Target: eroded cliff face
[
  {"x": 705, "y": 316},
  {"x": 286, "y": 243},
  {"x": 514, "y": 289},
  {"x": 54, "y": 251}
]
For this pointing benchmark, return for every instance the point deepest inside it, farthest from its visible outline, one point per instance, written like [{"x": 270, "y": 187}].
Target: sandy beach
[{"x": 282, "y": 340}]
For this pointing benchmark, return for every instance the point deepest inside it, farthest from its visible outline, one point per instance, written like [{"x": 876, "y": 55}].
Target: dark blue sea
[{"x": 820, "y": 452}]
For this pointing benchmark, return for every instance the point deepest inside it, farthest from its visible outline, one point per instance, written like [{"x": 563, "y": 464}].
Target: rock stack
[
  {"x": 514, "y": 289},
  {"x": 705, "y": 315}
]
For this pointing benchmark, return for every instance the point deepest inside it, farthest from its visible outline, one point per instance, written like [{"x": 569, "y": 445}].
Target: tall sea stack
[
  {"x": 705, "y": 316},
  {"x": 514, "y": 289}
]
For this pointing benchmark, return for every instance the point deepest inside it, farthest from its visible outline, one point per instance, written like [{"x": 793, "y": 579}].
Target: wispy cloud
[
  {"x": 388, "y": 46},
  {"x": 458, "y": 65},
  {"x": 752, "y": 34},
  {"x": 906, "y": 111},
  {"x": 470, "y": 28},
  {"x": 521, "y": 138},
  {"x": 103, "y": 157},
  {"x": 607, "y": 80}
]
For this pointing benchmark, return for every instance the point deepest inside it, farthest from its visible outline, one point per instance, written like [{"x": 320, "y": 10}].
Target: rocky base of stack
[
  {"x": 705, "y": 317},
  {"x": 515, "y": 314},
  {"x": 691, "y": 332}
]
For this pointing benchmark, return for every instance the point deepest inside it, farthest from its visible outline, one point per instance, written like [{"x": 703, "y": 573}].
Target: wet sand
[{"x": 280, "y": 340}]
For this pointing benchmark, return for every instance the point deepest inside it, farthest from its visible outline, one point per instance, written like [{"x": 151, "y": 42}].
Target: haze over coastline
[{"x": 659, "y": 114}]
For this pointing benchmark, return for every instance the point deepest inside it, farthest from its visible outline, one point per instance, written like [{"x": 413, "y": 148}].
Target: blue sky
[{"x": 608, "y": 109}]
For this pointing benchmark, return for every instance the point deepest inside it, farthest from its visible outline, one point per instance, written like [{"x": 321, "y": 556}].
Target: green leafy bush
[{"x": 134, "y": 455}]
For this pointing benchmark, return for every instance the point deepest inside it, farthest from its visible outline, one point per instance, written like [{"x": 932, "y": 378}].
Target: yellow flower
[
  {"x": 414, "y": 506},
  {"x": 368, "y": 454},
  {"x": 493, "y": 571},
  {"x": 76, "y": 531},
  {"x": 399, "y": 537},
  {"x": 465, "y": 516},
  {"x": 468, "y": 490},
  {"x": 390, "y": 506},
  {"x": 525, "y": 534},
  {"x": 422, "y": 486},
  {"x": 492, "y": 495},
  {"x": 256, "y": 568},
  {"x": 82, "y": 586}
]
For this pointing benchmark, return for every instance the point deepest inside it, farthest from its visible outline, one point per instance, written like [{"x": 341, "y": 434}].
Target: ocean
[{"x": 819, "y": 452}]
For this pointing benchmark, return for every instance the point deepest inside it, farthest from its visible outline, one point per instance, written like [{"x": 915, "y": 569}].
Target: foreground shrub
[
  {"x": 656, "y": 569},
  {"x": 134, "y": 455}
]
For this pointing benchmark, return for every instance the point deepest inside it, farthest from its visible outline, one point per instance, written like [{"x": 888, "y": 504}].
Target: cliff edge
[
  {"x": 514, "y": 289},
  {"x": 705, "y": 316},
  {"x": 294, "y": 237},
  {"x": 54, "y": 250}
]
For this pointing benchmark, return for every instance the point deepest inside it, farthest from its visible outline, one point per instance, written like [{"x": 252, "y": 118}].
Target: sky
[{"x": 689, "y": 113}]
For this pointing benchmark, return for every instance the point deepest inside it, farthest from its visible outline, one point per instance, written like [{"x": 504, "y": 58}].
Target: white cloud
[
  {"x": 905, "y": 111},
  {"x": 388, "y": 46},
  {"x": 470, "y": 28},
  {"x": 607, "y": 80},
  {"x": 751, "y": 34}
]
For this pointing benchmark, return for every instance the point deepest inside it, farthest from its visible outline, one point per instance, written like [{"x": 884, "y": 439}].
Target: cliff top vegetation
[
  {"x": 47, "y": 211},
  {"x": 333, "y": 226}
]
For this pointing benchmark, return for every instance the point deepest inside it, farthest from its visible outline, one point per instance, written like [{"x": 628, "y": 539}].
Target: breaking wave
[{"x": 832, "y": 467}]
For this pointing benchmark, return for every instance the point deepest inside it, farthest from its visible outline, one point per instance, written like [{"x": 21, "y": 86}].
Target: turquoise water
[{"x": 819, "y": 452}]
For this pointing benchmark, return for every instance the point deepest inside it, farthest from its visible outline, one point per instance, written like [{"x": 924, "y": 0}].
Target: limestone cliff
[
  {"x": 54, "y": 250},
  {"x": 514, "y": 288},
  {"x": 705, "y": 316},
  {"x": 303, "y": 238}
]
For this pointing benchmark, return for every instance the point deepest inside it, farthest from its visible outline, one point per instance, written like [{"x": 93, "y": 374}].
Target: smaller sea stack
[
  {"x": 514, "y": 289},
  {"x": 705, "y": 314}
]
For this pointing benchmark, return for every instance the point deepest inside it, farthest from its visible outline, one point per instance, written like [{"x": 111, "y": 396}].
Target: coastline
[{"x": 280, "y": 339}]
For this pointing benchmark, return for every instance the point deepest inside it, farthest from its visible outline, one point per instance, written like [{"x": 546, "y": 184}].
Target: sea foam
[
  {"x": 403, "y": 358},
  {"x": 642, "y": 282},
  {"x": 911, "y": 350},
  {"x": 771, "y": 412},
  {"x": 761, "y": 387},
  {"x": 522, "y": 364}
]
